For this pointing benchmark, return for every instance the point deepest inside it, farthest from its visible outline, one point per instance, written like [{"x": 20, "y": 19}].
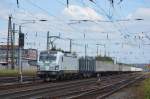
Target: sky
[{"x": 115, "y": 29}]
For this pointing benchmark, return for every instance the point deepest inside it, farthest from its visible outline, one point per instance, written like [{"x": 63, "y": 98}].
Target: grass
[
  {"x": 146, "y": 87},
  {"x": 142, "y": 90},
  {"x": 14, "y": 73}
]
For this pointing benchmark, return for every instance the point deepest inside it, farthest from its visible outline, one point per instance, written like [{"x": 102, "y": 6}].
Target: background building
[{"x": 29, "y": 57}]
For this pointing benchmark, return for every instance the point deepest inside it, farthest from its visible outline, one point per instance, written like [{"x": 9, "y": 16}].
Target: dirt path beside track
[{"x": 134, "y": 91}]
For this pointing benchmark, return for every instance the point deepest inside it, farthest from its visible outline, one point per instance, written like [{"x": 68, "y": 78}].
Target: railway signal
[
  {"x": 21, "y": 45},
  {"x": 21, "y": 40}
]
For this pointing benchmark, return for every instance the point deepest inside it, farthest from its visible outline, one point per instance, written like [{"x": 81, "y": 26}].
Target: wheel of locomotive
[
  {"x": 59, "y": 77},
  {"x": 80, "y": 76},
  {"x": 44, "y": 79},
  {"x": 47, "y": 79},
  {"x": 89, "y": 75},
  {"x": 85, "y": 75},
  {"x": 62, "y": 77}
]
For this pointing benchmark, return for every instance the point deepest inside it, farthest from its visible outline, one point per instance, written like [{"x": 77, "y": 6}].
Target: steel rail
[
  {"x": 35, "y": 90},
  {"x": 43, "y": 89},
  {"x": 106, "y": 90}
]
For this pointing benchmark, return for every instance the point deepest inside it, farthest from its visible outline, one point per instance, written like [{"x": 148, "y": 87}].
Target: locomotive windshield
[{"x": 47, "y": 57}]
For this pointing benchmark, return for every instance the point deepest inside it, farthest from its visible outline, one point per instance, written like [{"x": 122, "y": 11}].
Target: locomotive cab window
[{"x": 47, "y": 57}]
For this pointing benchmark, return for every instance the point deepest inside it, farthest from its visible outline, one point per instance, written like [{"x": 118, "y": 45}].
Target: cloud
[
  {"x": 79, "y": 13},
  {"x": 140, "y": 26},
  {"x": 59, "y": 24},
  {"x": 75, "y": 12},
  {"x": 4, "y": 12},
  {"x": 141, "y": 13}
]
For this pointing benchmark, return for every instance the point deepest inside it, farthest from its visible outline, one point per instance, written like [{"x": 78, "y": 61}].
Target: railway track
[
  {"x": 4, "y": 80},
  {"x": 71, "y": 89},
  {"x": 33, "y": 82},
  {"x": 43, "y": 88},
  {"x": 13, "y": 82},
  {"x": 102, "y": 92}
]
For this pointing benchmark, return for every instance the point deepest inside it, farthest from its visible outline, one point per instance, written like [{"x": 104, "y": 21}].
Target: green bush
[
  {"x": 9, "y": 73},
  {"x": 105, "y": 58}
]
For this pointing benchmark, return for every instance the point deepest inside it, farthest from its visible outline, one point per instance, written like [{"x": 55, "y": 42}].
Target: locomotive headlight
[
  {"x": 57, "y": 67},
  {"x": 40, "y": 63},
  {"x": 46, "y": 62}
]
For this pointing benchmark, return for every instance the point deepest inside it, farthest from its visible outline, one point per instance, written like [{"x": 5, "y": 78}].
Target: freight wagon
[
  {"x": 86, "y": 66},
  {"x": 106, "y": 66},
  {"x": 66, "y": 65}
]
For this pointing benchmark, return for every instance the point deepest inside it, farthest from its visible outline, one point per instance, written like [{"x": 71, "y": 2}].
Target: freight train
[{"x": 66, "y": 65}]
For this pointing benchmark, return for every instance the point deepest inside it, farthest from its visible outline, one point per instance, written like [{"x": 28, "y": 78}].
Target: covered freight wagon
[
  {"x": 126, "y": 68},
  {"x": 87, "y": 66},
  {"x": 105, "y": 67}
]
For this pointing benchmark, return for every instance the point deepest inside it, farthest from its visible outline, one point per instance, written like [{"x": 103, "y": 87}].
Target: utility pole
[
  {"x": 20, "y": 65},
  {"x": 21, "y": 45},
  {"x": 100, "y": 52},
  {"x": 85, "y": 55},
  {"x": 85, "y": 50},
  {"x": 13, "y": 47},
  {"x": 97, "y": 50},
  {"x": 105, "y": 50},
  {"x": 9, "y": 44},
  {"x": 115, "y": 60},
  {"x": 97, "y": 45},
  {"x": 48, "y": 43},
  {"x": 108, "y": 53},
  {"x": 85, "y": 60},
  {"x": 70, "y": 44}
]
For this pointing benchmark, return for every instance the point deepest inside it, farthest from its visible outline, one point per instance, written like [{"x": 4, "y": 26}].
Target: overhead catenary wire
[
  {"x": 89, "y": 38},
  {"x": 33, "y": 15},
  {"x": 54, "y": 16},
  {"x": 112, "y": 21}
]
